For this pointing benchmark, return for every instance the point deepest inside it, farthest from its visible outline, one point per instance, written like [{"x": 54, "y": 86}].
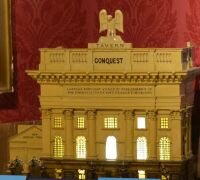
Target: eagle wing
[
  {"x": 119, "y": 21},
  {"x": 103, "y": 20}
]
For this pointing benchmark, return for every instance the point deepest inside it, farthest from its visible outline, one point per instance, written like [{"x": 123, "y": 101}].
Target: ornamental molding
[
  {"x": 107, "y": 78},
  {"x": 176, "y": 115},
  {"x": 128, "y": 114},
  {"x": 91, "y": 114}
]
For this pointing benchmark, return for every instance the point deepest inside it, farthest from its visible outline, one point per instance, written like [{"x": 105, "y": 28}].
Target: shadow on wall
[
  {"x": 196, "y": 118},
  {"x": 7, "y": 130},
  {"x": 196, "y": 124}
]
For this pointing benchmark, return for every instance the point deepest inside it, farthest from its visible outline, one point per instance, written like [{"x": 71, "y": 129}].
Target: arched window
[
  {"x": 111, "y": 148},
  {"x": 141, "y": 148},
  {"x": 58, "y": 148},
  {"x": 164, "y": 148},
  {"x": 81, "y": 147}
]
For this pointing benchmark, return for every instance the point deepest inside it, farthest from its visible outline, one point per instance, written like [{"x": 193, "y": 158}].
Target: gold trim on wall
[{"x": 5, "y": 47}]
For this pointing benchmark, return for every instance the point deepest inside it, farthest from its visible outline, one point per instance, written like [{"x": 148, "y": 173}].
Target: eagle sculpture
[{"x": 107, "y": 22}]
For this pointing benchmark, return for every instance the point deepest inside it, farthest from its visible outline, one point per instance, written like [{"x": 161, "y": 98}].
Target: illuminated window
[
  {"x": 141, "y": 174},
  {"x": 164, "y": 148},
  {"x": 58, "y": 148},
  {"x": 141, "y": 123},
  {"x": 141, "y": 148},
  {"x": 58, "y": 122},
  {"x": 164, "y": 122},
  {"x": 80, "y": 147},
  {"x": 110, "y": 122},
  {"x": 81, "y": 122},
  {"x": 81, "y": 173},
  {"x": 164, "y": 177},
  {"x": 111, "y": 148}
]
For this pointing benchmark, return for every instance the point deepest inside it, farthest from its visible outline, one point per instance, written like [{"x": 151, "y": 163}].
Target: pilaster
[
  {"x": 129, "y": 134},
  {"x": 91, "y": 117},
  {"x": 46, "y": 126},
  {"x": 152, "y": 129},
  {"x": 176, "y": 136},
  {"x": 188, "y": 132},
  {"x": 69, "y": 149}
]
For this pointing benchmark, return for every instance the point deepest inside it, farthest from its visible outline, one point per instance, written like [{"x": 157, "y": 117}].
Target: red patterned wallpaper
[{"x": 74, "y": 23}]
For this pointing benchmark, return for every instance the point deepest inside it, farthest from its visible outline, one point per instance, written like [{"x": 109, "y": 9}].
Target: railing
[{"x": 116, "y": 60}]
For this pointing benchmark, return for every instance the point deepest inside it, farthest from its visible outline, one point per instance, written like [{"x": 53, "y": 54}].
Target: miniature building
[
  {"x": 26, "y": 143},
  {"x": 113, "y": 110}
]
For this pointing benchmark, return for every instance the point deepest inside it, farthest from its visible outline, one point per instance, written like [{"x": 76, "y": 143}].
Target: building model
[{"x": 116, "y": 111}]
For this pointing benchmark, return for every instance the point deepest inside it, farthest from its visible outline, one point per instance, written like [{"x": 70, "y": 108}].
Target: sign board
[
  {"x": 102, "y": 178},
  {"x": 12, "y": 177}
]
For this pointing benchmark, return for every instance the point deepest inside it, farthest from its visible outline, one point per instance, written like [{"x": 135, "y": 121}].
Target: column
[
  {"x": 152, "y": 139},
  {"x": 46, "y": 129},
  {"x": 129, "y": 135},
  {"x": 69, "y": 149},
  {"x": 176, "y": 136},
  {"x": 189, "y": 131},
  {"x": 91, "y": 117}
]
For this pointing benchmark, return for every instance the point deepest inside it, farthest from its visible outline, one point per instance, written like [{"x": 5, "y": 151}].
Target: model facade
[{"x": 113, "y": 110}]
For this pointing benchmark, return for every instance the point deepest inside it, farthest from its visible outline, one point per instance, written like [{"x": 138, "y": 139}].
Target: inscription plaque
[{"x": 113, "y": 91}]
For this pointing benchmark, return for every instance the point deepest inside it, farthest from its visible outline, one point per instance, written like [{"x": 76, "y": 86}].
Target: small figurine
[
  {"x": 16, "y": 166},
  {"x": 34, "y": 167}
]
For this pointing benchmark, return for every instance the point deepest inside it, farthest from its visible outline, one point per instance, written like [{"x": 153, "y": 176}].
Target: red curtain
[{"x": 74, "y": 23}]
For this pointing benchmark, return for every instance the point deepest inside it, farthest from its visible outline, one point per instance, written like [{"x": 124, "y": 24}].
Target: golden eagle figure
[{"x": 107, "y": 22}]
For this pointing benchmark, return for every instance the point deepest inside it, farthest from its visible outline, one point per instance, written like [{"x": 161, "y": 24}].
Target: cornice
[{"x": 107, "y": 78}]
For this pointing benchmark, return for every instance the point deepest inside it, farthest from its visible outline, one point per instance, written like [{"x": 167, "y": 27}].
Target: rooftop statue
[{"x": 107, "y": 22}]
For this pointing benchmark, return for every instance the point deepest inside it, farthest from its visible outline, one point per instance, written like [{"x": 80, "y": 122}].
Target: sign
[
  {"x": 109, "y": 91},
  {"x": 12, "y": 177},
  {"x": 102, "y": 178}
]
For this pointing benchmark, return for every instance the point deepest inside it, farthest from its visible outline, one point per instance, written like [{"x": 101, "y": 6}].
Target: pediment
[{"x": 28, "y": 134}]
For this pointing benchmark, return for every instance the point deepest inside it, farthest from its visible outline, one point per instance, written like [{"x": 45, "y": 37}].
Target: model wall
[{"x": 74, "y": 23}]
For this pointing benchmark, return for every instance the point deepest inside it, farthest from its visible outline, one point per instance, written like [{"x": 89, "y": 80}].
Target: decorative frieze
[{"x": 120, "y": 78}]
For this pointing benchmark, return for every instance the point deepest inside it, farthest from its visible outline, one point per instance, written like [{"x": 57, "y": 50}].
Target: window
[
  {"x": 110, "y": 122},
  {"x": 58, "y": 122},
  {"x": 141, "y": 123},
  {"x": 81, "y": 122},
  {"x": 141, "y": 174},
  {"x": 164, "y": 148},
  {"x": 164, "y": 123},
  {"x": 58, "y": 149},
  {"x": 81, "y": 173},
  {"x": 80, "y": 147},
  {"x": 141, "y": 148},
  {"x": 164, "y": 177},
  {"x": 111, "y": 148}
]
